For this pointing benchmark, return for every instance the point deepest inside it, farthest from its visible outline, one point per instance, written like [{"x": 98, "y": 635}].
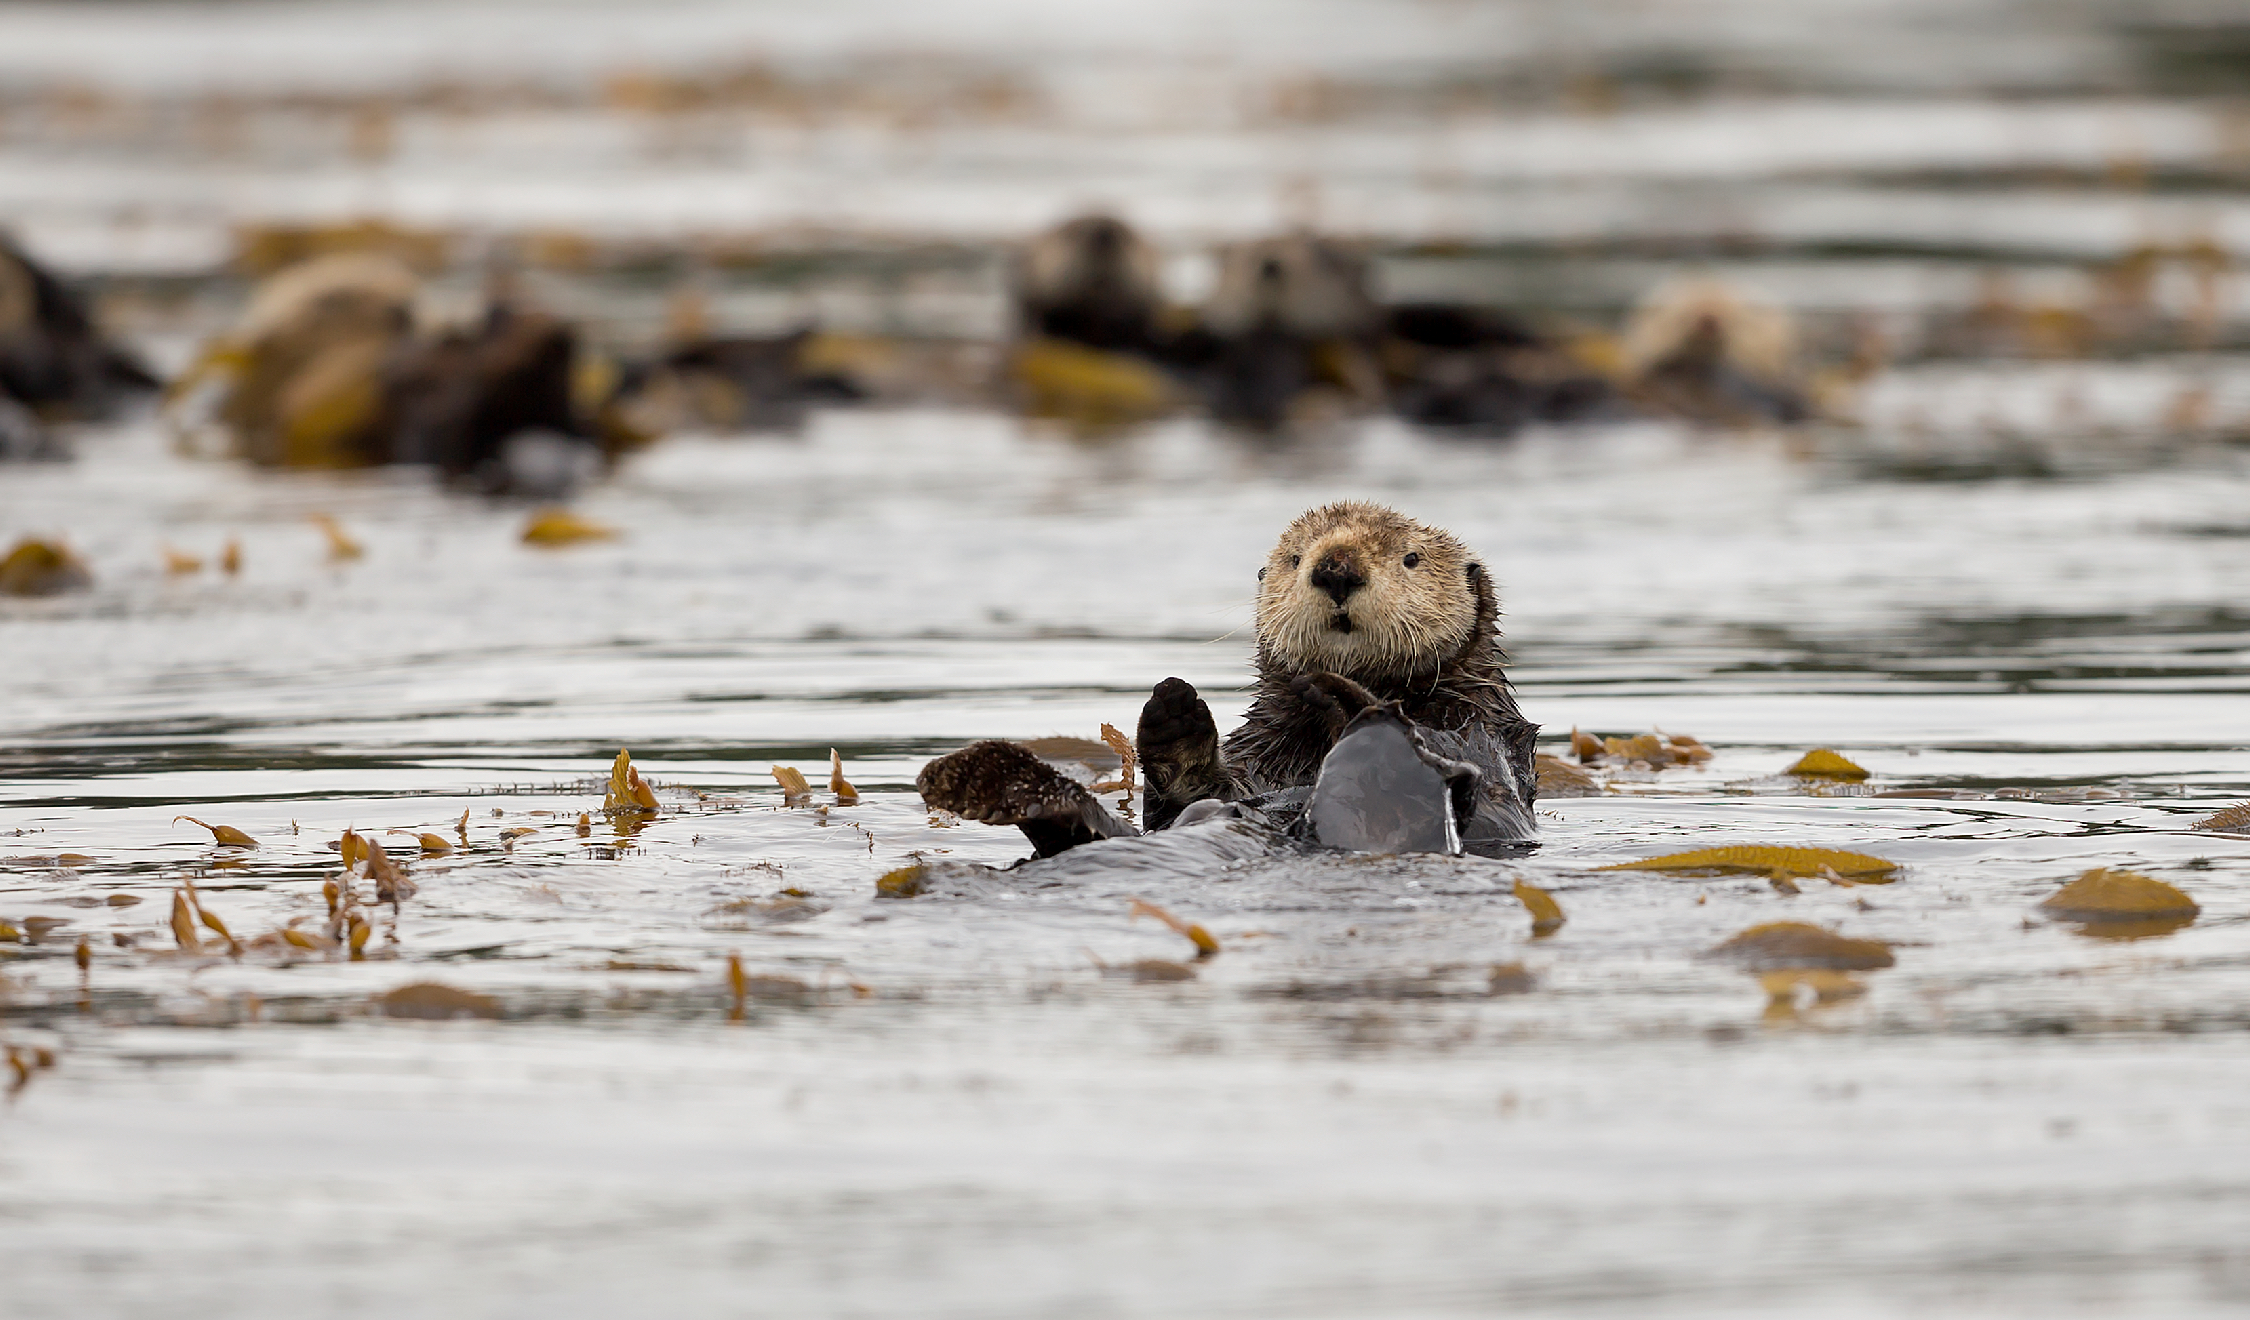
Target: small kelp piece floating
[
  {"x": 1560, "y": 779},
  {"x": 433, "y": 1001},
  {"x": 1206, "y": 946},
  {"x": 183, "y": 923},
  {"x": 1856, "y": 867},
  {"x": 795, "y": 790},
  {"x": 226, "y": 836},
  {"x": 557, "y": 526},
  {"x": 2121, "y": 905},
  {"x": 341, "y": 546},
  {"x": 2230, "y": 819},
  {"x": 211, "y": 919},
  {"x": 179, "y": 563},
  {"x": 1780, "y": 945},
  {"x": 846, "y": 795},
  {"x": 1128, "y": 760},
  {"x": 628, "y": 794},
  {"x": 1546, "y": 914},
  {"x": 905, "y": 882},
  {"x": 432, "y": 844},
  {"x": 42, "y": 568},
  {"x": 230, "y": 559},
  {"x": 1825, "y": 763},
  {"x": 391, "y": 883},
  {"x": 1656, "y": 751},
  {"x": 738, "y": 984}
]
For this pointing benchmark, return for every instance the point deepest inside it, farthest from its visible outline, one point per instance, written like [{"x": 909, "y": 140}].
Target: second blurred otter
[
  {"x": 1292, "y": 329},
  {"x": 55, "y": 364},
  {"x": 327, "y": 368}
]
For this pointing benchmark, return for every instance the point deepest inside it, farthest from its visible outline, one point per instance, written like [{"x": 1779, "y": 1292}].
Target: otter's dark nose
[{"x": 1338, "y": 577}]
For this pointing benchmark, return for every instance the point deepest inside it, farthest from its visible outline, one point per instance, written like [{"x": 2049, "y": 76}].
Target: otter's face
[{"x": 1361, "y": 591}]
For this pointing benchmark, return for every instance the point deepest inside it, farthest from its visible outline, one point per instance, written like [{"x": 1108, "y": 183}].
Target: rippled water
[
  {"x": 947, "y": 1105},
  {"x": 2016, "y": 591}
]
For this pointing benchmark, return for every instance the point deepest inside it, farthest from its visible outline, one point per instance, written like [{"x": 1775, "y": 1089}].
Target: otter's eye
[
  {"x": 1413, "y": 558},
  {"x": 1295, "y": 560}
]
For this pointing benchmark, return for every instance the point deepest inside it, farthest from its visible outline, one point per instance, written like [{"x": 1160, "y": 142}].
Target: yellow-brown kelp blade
[
  {"x": 1794, "y": 944},
  {"x": 627, "y": 791},
  {"x": 2105, "y": 895},
  {"x": 1825, "y": 763},
  {"x": 1546, "y": 914},
  {"x": 226, "y": 836},
  {"x": 1765, "y": 860}
]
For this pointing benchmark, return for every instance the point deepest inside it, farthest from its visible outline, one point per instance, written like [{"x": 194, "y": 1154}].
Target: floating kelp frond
[
  {"x": 1824, "y": 763},
  {"x": 211, "y": 919},
  {"x": 628, "y": 792},
  {"x": 42, "y": 568},
  {"x": 391, "y": 883},
  {"x": 1128, "y": 760},
  {"x": 183, "y": 923},
  {"x": 558, "y": 526},
  {"x": 1546, "y": 914},
  {"x": 795, "y": 788},
  {"x": 431, "y": 843},
  {"x": 1656, "y": 751},
  {"x": 2105, "y": 895},
  {"x": 430, "y": 1000},
  {"x": 1205, "y": 945},
  {"x": 341, "y": 546},
  {"x": 905, "y": 882},
  {"x": 179, "y": 563},
  {"x": 226, "y": 836},
  {"x": 1794, "y": 944},
  {"x": 1560, "y": 779},
  {"x": 846, "y": 795},
  {"x": 1755, "y": 857}
]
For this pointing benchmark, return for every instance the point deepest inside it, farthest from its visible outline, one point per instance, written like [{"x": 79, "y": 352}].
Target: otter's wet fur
[
  {"x": 1370, "y": 626},
  {"x": 1357, "y": 604}
]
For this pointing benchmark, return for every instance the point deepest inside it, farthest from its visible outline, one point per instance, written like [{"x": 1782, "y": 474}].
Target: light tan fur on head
[
  {"x": 1402, "y": 620},
  {"x": 1308, "y": 286},
  {"x": 1750, "y": 336},
  {"x": 1092, "y": 254}
]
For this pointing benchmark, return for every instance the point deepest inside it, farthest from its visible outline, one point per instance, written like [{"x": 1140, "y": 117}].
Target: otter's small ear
[
  {"x": 1476, "y": 571},
  {"x": 1261, "y": 575}
]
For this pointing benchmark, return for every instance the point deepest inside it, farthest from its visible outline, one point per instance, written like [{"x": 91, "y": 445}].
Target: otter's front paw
[
  {"x": 1178, "y": 743},
  {"x": 1001, "y": 783},
  {"x": 1335, "y": 698}
]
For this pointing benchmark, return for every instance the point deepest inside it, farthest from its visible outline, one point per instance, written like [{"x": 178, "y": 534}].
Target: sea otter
[
  {"x": 55, "y": 362},
  {"x": 1382, "y": 712}
]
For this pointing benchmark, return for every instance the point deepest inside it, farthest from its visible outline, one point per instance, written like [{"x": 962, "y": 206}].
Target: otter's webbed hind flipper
[
  {"x": 1178, "y": 745},
  {"x": 1382, "y": 789},
  {"x": 1001, "y": 783}
]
